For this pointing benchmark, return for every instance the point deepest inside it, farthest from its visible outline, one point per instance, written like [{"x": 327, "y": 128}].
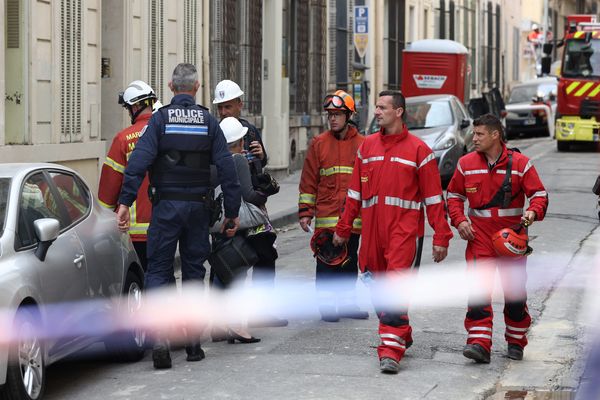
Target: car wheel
[
  {"x": 26, "y": 370},
  {"x": 562, "y": 145},
  {"x": 127, "y": 346}
]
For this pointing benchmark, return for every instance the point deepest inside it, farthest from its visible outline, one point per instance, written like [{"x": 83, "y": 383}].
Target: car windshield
[
  {"x": 582, "y": 59},
  {"x": 4, "y": 187},
  {"x": 428, "y": 114},
  {"x": 524, "y": 94}
]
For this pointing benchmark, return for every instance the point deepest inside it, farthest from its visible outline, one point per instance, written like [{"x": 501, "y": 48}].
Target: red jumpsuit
[
  {"x": 393, "y": 177},
  {"x": 476, "y": 182},
  {"x": 111, "y": 179}
]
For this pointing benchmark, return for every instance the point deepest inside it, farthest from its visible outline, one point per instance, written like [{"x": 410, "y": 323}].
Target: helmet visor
[{"x": 333, "y": 101}]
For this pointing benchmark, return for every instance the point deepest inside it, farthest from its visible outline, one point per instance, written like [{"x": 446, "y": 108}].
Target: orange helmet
[
  {"x": 323, "y": 248},
  {"x": 340, "y": 100},
  {"x": 512, "y": 242}
]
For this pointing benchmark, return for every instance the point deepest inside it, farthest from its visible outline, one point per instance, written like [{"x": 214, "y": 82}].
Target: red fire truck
[{"x": 578, "y": 97}]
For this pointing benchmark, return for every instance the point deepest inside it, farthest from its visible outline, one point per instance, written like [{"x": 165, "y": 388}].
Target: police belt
[{"x": 157, "y": 196}]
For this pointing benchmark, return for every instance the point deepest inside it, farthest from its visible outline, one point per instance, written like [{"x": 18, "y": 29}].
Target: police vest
[{"x": 184, "y": 149}]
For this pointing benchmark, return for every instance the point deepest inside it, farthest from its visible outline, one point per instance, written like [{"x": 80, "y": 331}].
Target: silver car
[
  {"x": 64, "y": 268},
  {"x": 443, "y": 123}
]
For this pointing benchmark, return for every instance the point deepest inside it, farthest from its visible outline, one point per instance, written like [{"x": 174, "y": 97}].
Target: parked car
[
  {"x": 537, "y": 91},
  {"x": 59, "y": 248},
  {"x": 443, "y": 123}
]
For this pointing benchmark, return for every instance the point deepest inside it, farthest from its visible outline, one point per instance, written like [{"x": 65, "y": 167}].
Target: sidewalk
[{"x": 283, "y": 206}]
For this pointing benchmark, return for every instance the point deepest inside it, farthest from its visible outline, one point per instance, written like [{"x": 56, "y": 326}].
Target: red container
[{"x": 435, "y": 66}]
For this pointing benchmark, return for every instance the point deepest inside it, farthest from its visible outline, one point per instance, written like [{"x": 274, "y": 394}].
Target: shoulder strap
[{"x": 503, "y": 196}]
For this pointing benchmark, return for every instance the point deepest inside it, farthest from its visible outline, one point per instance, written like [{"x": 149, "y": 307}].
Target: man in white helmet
[
  {"x": 139, "y": 100},
  {"x": 229, "y": 104}
]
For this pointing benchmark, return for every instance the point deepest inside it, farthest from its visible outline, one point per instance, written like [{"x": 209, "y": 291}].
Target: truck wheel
[
  {"x": 128, "y": 346},
  {"x": 26, "y": 370},
  {"x": 562, "y": 145}
]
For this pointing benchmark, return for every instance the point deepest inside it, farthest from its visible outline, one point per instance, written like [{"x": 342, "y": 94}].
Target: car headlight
[
  {"x": 511, "y": 115},
  {"x": 446, "y": 142}
]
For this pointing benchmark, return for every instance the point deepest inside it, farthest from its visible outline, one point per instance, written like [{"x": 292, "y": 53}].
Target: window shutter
[
  {"x": 12, "y": 24},
  {"x": 156, "y": 53},
  {"x": 190, "y": 32},
  {"x": 70, "y": 67}
]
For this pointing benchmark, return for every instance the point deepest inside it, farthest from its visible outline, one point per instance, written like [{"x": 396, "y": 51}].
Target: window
[
  {"x": 395, "y": 42},
  {"x": 4, "y": 190},
  {"x": 36, "y": 201},
  {"x": 70, "y": 68},
  {"x": 299, "y": 41},
  {"x": 341, "y": 43},
  {"x": 236, "y": 47},
  {"x": 74, "y": 195}
]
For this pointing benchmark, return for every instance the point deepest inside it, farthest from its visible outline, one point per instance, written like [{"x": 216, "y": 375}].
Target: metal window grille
[
  {"x": 497, "y": 59},
  {"x": 489, "y": 46},
  {"x": 317, "y": 57},
  {"x": 70, "y": 68},
  {"x": 236, "y": 47},
  {"x": 250, "y": 54},
  {"x": 442, "y": 14},
  {"x": 299, "y": 57},
  {"x": 224, "y": 35},
  {"x": 156, "y": 46},
  {"x": 340, "y": 45},
  {"x": 396, "y": 42},
  {"x": 451, "y": 24},
  {"x": 190, "y": 22}
]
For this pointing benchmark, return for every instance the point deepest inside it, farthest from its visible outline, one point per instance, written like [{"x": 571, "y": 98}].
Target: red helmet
[
  {"x": 512, "y": 242},
  {"x": 323, "y": 248}
]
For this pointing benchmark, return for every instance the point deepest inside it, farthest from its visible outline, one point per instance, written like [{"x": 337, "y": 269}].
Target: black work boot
[
  {"x": 389, "y": 365},
  {"x": 194, "y": 352},
  {"x": 329, "y": 314},
  {"x": 515, "y": 352},
  {"x": 160, "y": 355},
  {"x": 353, "y": 312},
  {"x": 477, "y": 352}
]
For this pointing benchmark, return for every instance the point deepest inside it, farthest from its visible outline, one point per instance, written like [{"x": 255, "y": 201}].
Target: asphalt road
[{"x": 311, "y": 359}]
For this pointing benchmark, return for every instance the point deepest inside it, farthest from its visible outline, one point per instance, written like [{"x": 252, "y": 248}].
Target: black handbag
[
  {"x": 231, "y": 257},
  {"x": 263, "y": 245},
  {"x": 596, "y": 188},
  {"x": 265, "y": 183}
]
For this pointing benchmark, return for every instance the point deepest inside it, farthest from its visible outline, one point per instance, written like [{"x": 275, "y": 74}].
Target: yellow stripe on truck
[
  {"x": 572, "y": 87},
  {"x": 584, "y": 89}
]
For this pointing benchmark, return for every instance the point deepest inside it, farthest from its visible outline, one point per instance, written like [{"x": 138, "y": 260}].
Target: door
[{"x": 61, "y": 278}]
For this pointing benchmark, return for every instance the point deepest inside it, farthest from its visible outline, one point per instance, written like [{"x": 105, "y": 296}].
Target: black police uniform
[{"x": 180, "y": 142}]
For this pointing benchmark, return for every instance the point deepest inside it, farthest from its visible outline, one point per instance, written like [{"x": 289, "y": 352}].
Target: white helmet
[
  {"x": 227, "y": 90},
  {"x": 136, "y": 91},
  {"x": 534, "y": 27},
  {"x": 232, "y": 129}
]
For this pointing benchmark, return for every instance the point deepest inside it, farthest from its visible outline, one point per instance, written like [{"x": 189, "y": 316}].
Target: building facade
[{"x": 65, "y": 61}]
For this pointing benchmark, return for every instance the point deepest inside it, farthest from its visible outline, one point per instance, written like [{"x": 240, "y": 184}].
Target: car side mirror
[
  {"x": 46, "y": 230},
  {"x": 465, "y": 123}
]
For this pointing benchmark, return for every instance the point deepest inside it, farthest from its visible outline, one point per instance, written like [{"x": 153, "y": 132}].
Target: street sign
[{"x": 361, "y": 30}]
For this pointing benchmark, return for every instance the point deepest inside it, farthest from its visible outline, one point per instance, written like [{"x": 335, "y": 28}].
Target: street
[{"x": 312, "y": 359}]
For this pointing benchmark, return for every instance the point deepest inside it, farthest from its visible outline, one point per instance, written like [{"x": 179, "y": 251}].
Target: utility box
[{"x": 435, "y": 66}]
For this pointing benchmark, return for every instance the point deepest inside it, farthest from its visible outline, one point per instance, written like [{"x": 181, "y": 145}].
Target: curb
[{"x": 283, "y": 218}]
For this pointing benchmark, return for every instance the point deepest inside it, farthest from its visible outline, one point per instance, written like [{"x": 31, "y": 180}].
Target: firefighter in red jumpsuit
[
  {"x": 395, "y": 175},
  {"x": 139, "y": 99},
  {"x": 325, "y": 177},
  {"x": 480, "y": 178}
]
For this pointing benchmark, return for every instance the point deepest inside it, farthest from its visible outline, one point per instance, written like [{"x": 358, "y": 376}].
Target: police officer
[{"x": 180, "y": 142}]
